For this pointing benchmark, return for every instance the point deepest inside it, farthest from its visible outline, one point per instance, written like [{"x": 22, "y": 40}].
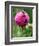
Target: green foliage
[{"x": 17, "y": 31}]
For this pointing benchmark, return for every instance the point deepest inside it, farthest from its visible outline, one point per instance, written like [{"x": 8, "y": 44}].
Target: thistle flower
[{"x": 22, "y": 18}]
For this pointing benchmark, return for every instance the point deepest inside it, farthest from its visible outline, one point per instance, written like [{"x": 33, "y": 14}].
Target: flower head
[{"x": 22, "y": 18}]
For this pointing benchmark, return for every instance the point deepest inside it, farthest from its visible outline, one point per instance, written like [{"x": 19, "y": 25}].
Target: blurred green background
[{"x": 16, "y": 31}]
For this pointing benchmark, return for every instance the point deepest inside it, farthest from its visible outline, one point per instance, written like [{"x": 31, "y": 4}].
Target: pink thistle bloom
[{"x": 22, "y": 18}]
